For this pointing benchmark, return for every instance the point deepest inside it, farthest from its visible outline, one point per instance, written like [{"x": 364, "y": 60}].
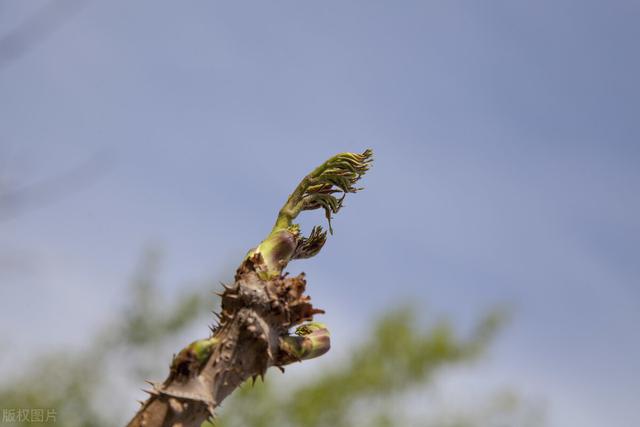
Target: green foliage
[
  {"x": 398, "y": 356},
  {"x": 388, "y": 368},
  {"x": 73, "y": 383}
]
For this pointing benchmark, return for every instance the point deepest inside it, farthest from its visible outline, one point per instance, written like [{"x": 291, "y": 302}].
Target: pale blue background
[{"x": 507, "y": 169}]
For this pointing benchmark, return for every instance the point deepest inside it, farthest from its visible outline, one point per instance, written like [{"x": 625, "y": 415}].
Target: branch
[
  {"x": 258, "y": 310},
  {"x": 37, "y": 28}
]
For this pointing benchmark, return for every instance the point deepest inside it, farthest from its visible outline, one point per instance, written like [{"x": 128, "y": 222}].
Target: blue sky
[{"x": 506, "y": 139}]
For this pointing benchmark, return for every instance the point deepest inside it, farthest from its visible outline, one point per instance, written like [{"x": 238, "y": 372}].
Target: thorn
[
  {"x": 140, "y": 402},
  {"x": 253, "y": 380},
  {"x": 212, "y": 416},
  {"x": 262, "y": 376},
  {"x": 280, "y": 368},
  {"x": 150, "y": 392}
]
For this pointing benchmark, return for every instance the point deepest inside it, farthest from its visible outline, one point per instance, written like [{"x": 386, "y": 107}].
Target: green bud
[
  {"x": 311, "y": 340},
  {"x": 198, "y": 351}
]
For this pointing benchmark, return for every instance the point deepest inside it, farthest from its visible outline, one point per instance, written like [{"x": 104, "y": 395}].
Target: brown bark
[{"x": 254, "y": 322}]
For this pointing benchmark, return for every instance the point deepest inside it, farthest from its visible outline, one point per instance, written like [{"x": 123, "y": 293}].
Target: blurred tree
[
  {"x": 373, "y": 387},
  {"x": 74, "y": 382}
]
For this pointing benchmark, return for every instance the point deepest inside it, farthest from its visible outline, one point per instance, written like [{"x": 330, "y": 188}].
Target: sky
[{"x": 506, "y": 138}]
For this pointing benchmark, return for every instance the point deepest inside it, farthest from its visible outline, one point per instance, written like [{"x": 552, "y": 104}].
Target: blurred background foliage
[{"x": 384, "y": 380}]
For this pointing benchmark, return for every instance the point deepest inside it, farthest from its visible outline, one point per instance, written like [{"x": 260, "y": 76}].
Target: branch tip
[{"x": 317, "y": 190}]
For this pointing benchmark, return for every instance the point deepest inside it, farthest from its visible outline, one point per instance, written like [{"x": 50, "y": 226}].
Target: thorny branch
[{"x": 258, "y": 310}]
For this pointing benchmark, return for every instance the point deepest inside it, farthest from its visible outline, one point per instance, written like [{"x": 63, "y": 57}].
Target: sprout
[
  {"x": 318, "y": 190},
  {"x": 311, "y": 340}
]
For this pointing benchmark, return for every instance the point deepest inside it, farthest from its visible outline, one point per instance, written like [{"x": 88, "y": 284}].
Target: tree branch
[{"x": 257, "y": 311}]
